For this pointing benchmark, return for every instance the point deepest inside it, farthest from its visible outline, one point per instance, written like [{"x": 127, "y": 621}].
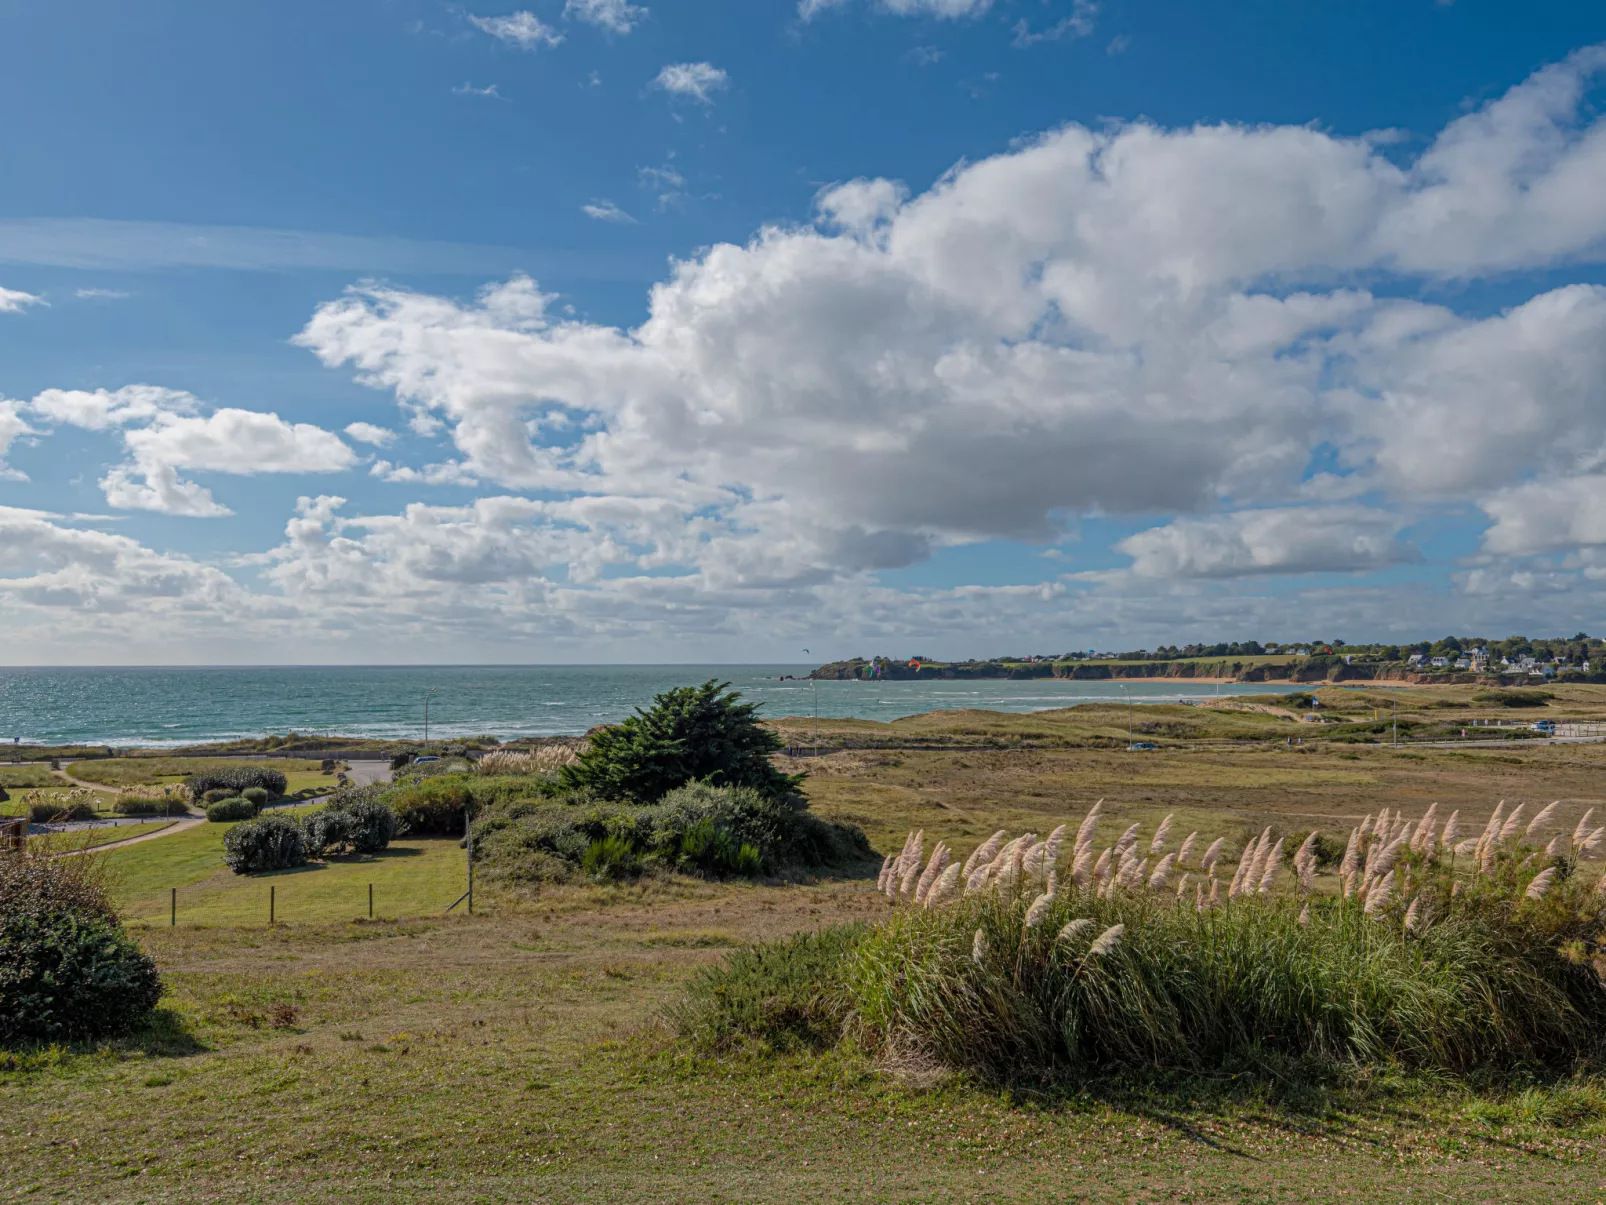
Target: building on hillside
[
  {"x": 1440, "y": 663},
  {"x": 1417, "y": 658}
]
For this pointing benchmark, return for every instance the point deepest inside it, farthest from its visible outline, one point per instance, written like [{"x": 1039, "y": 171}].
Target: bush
[
  {"x": 256, "y": 796},
  {"x": 1514, "y": 698},
  {"x": 235, "y": 779},
  {"x": 267, "y": 843},
  {"x": 226, "y": 810},
  {"x": 436, "y": 806},
  {"x": 785, "y": 995},
  {"x": 150, "y": 805},
  {"x": 217, "y": 795},
  {"x": 353, "y": 824},
  {"x": 697, "y": 829},
  {"x": 692, "y": 733},
  {"x": 68, "y": 971},
  {"x": 61, "y": 811}
]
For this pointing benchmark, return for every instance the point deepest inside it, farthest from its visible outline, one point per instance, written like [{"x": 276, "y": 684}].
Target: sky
[{"x": 395, "y": 331}]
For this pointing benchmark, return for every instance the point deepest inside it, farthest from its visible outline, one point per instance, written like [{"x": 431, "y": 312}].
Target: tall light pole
[
  {"x": 816, "y": 683},
  {"x": 427, "y": 693},
  {"x": 1128, "y": 695}
]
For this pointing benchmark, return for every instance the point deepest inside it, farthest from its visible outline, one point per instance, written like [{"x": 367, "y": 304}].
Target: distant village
[{"x": 1579, "y": 656}]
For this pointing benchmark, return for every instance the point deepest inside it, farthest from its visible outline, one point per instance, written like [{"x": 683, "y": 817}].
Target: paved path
[{"x": 178, "y": 826}]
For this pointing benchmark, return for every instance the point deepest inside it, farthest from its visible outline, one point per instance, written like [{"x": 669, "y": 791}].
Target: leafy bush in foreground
[
  {"x": 690, "y": 734},
  {"x": 435, "y": 807},
  {"x": 68, "y": 971},
  {"x": 226, "y": 810},
  {"x": 257, "y": 797},
  {"x": 236, "y": 779},
  {"x": 268, "y": 843}
]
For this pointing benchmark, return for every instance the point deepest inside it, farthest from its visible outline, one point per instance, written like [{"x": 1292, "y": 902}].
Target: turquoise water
[{"x": 157, "y": 707}]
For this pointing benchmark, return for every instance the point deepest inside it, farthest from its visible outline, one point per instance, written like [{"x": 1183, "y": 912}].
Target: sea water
[{"x": 181, "y": 706}]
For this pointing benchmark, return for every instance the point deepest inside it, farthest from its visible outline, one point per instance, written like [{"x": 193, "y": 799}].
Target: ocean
[{"x": 157, "y": 707}]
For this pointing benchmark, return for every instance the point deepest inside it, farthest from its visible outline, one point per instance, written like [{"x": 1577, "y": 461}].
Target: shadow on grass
[{"x": 162, "y": 1035}]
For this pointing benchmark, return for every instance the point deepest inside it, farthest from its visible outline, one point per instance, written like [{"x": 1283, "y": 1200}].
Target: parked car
[
  {"x": 1141, "y": 745},
  {"x": 1546, "y": 726}
]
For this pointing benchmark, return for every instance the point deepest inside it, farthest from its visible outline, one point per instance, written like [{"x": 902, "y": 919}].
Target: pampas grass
[
  {"x": 1212, "y": 855},
  {"x": 544, "y": 760},
  {"x": 1541, "y": 819}
]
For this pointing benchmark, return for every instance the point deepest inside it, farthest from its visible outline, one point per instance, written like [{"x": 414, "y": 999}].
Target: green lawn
[
  {"x": 27, "y": 776},
  {"x": 137, "y": 771},
  {"x": 412, "y": 878},
  {"x": 90, "y": 838}
]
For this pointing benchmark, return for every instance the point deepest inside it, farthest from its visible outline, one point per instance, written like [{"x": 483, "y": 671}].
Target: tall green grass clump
[
  {"x": 784, "y": 996},
  {"x": 1429, "y": 954}
]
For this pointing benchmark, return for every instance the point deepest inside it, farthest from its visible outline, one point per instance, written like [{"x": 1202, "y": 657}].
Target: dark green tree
[{"x": 689, "y": 734}]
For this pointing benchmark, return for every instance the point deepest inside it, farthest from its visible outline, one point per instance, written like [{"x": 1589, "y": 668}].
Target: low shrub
[
  {"x": 784, "y": 995},
  {"x": 270, "y": 842},
  {"x": 150, "y": 805},
  {"x": 1514, "y": 698},
  {"x": 256, "y": 796},
  {"x": 218, "y": 795},
  {"x": 56, "y": 811},
  {"x": 236, "y": 779},
  {"x": 225, "y": 811},
  {"x": 68, "y": 971},
  {"x": 355, "y": 822},
  {"x": 696, "y": 829},
  {"x": 435, "y": 807}
]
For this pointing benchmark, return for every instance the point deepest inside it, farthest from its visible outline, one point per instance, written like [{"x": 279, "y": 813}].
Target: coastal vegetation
[{"x": 333, "y": 1056}]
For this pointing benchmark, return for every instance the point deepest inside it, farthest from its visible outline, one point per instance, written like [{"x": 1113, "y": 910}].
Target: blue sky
[{"x": 995, "y": 323}]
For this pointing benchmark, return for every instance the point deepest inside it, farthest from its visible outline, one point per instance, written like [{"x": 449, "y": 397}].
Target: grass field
[
  {"x": 521, "y": 1056},
  {"x": 27, "y": 776},
  {"x": 92, "y": 838},
  {"x": 143, "y": 771}
]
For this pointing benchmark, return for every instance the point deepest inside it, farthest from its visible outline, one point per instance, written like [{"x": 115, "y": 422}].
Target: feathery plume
[
  {"x": 1452, "y": 830},
  {"x": 1539, "y": 884},
  {"x": 1365, "y": 826},
  {"x": 1352, "y": 855},
  {"x": 1413, "y": 915},
  {"x": 1074, "y": 928},
  {"x": 976, "y": 880},
  {"x": 1038, "y": 910},
  {"x": 1466, "y": 848},
  {"x": 1160, "y": 834},
  {"x": 1162, "y": 873},
  {"x": 1182, "y": 883},
  {"x": 1305, "y": 863},
  {"x": 1424, "y": 828},
  {"x": 1541, "y": 818},
  {"x": 1127, "y": 840},
  {"x": 983, "y": 853},
  {"x": 1581, "y": 833},
  {"x": 1491, "y": 830},
  {"x": 978, "y": 948},
  {"x": 1084, "y": 832},
  {"x": 1273, "y": 861},
  {"x": 946, "y": 886},
  {"x": 1051, "y": 851},
  {"x": 1212, "y": 855},
  {"x": 1379, "y": 894},
  {"x": 1187, "y": 848},
  {"x": 1082, "y": 868},
  {"x": 1558, "y": 846},
  {"x": 1106, "y": 941},
  {"x": 938, "y": 863},
  {"x": 1513, "y": 822},
  {"x": 1595, "y": 843},
  {"x": 1390, "y": 855},
  {"x": 910, "y": 870},
  {"x": 1402, "y": 826},
  {"x": 1215, "y": 892},
  {"x": 1101, "y": 870},
  {"x": 886, "y": 869},
  {"x": 1304, "y": 917},
  {"x": 1199, "y": 896}
]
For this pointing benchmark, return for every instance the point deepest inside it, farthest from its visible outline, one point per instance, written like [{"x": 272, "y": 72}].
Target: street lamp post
[{"x": 1128, "y": 695}]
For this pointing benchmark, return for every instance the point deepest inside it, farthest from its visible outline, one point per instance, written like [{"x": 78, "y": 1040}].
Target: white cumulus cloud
[
  {"x": 699, "y": 81},
  {"x": 14, "y": 301},
  {"x": 522, "y": 29},
  {"x": 1336, "y": 539},
  {"x": 616, "y": 16},
  {"x": 606, "y": 211},
  {"x": 368, "y": 433}
]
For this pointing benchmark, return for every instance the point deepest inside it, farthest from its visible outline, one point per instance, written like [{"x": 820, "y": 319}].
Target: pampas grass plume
[
  {"x": 1513, "y": 823},
  {"x": 1539, "y": 820},
  {"x": 1304, "y": 917},
  {"x": 1162, "y": 873},
  {"x": 1187, "y": 848},
  {"x": 1160, "y": 834},
  {"x": 1540, "y": 884},
  {"x": 1038, "y": 910},
  {"x": 983, "y": 853},
  {"x": 1212, "y": 855},
  {"x": 1106, "y": 941},
  {"x": 978, "y": 948},
  {"x": 1581, "y": 833},
  {"x": 1073, "y": 928}
]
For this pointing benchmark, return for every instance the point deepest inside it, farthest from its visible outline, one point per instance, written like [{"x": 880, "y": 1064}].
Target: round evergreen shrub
[
  {"x": 267, "y": 843},
  {"x": 226, "y": 810},
  {"x": 258, "y": 797},
  {"x": 68, "y": 971},
  {"x": 236, "y": 779},
  {"x": 218, "y": 795}
]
